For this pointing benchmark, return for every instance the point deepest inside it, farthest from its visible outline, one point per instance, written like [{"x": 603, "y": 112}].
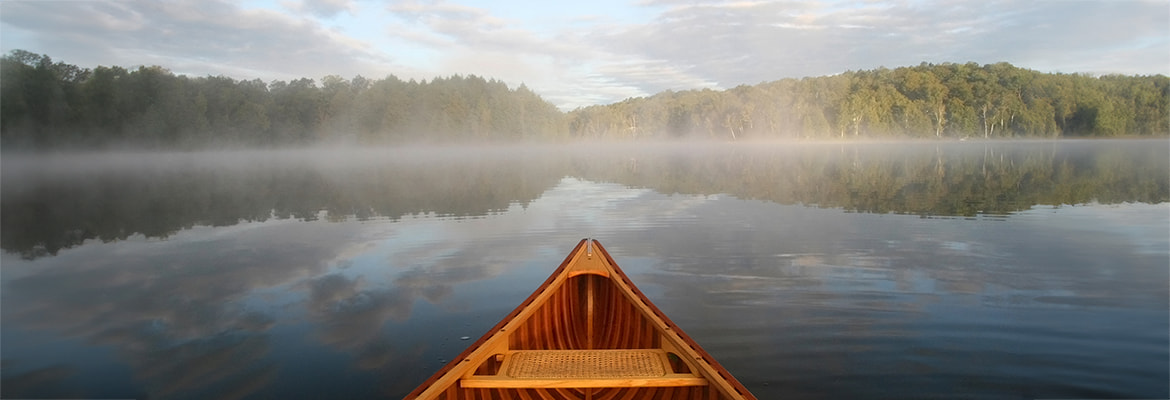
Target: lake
[{"x": 809, "y": 270}]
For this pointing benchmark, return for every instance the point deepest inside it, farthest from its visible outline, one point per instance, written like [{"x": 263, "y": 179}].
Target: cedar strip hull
[{"x": 588, "y": 303}]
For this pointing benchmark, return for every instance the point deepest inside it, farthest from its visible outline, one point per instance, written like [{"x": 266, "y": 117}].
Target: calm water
[{"x": 969, "y": 270}]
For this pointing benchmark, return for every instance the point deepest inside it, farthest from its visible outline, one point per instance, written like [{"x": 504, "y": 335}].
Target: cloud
[
  {"x": 566, "y": 66},
  {"x": 192, "y": 37},
  {"x": 729, "y": 44},
  {"x": 578, "y": 56},
  {"x": 1104, "y": 37},
  {"x": 323, "y": 8},
  {"x": 471, "y": 37}
]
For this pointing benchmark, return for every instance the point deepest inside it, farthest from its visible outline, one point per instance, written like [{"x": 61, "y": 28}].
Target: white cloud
[
  {"x": 322, "y": 8},
  {"x": 746, "y": 43},
  {"x": 632, "y": 50},
  {"x": 195, "y": 37}
]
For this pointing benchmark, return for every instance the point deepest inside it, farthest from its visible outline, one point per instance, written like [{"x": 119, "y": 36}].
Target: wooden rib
[
  {"x": 545, "y": 395},
  {"x": 589, "y": 317},
  {"x": 630, "y": 394},
  {"x": 566, "y": 394},
  {"x": 608, "y": 394}
]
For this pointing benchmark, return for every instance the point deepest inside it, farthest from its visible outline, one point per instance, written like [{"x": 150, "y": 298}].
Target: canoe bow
[{"x": 586, "y": 333}]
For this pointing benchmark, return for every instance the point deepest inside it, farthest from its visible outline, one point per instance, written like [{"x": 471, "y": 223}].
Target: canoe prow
[{"x": 586, "y": 333}]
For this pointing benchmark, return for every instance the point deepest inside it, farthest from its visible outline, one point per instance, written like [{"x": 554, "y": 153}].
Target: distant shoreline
[{"x": 49, "y": 105}]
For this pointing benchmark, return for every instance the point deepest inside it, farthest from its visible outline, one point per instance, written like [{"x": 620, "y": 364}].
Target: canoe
[{"x": 586, "y": 333}]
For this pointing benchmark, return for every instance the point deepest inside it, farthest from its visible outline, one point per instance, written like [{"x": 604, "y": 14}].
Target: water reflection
[
  {"x": 48, "y": 381},
  {"x": 171, "y": 309},
  {"x": 796, "y": 301},
  {"x": 349, "y": 312},
  {"x": 59, "y": 202},
  {"x": 834, "y": 305}
]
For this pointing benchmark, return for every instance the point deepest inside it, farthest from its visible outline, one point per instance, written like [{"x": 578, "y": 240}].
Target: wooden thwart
[{"x": 584, "y": 369}]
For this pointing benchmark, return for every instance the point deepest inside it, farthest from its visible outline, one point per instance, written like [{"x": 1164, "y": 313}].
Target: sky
[{"x": 580, "y": 53}]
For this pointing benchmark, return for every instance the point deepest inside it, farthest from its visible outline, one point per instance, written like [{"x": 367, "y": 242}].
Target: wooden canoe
[{"x": 586, "y": 333}]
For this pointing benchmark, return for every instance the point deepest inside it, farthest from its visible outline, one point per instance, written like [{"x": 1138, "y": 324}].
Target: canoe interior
[
  {"x": 587, "y": 304},
  {"x": 569, "y": 322}
]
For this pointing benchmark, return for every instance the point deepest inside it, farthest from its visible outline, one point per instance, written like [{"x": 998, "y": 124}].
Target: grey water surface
[{"x": 809, "y": 270}]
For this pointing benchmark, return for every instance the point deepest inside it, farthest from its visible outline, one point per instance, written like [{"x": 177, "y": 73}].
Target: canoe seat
[{"x": 584, "y": 369}]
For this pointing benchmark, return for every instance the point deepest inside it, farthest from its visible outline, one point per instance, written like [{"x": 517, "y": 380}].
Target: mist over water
[{"x": 809, "y": 270}]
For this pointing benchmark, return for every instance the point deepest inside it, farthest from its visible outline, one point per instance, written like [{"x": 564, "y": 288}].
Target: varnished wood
[
  {"x": 588, "y": 303},
  {"x": 672, "y": 380}
]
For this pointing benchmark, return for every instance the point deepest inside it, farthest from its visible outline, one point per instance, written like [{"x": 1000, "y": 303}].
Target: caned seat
[{"x": 584, "y": 369}]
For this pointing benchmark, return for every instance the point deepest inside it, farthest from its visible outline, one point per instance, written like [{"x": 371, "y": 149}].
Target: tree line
[
  {"x": 46, "y": 104},
  {"x": 927, "y": 101}
]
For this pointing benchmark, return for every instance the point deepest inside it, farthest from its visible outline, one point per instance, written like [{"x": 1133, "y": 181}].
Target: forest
[
  {"x": 927, "y": 101},
  {"x": 53, "y": 105}
]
